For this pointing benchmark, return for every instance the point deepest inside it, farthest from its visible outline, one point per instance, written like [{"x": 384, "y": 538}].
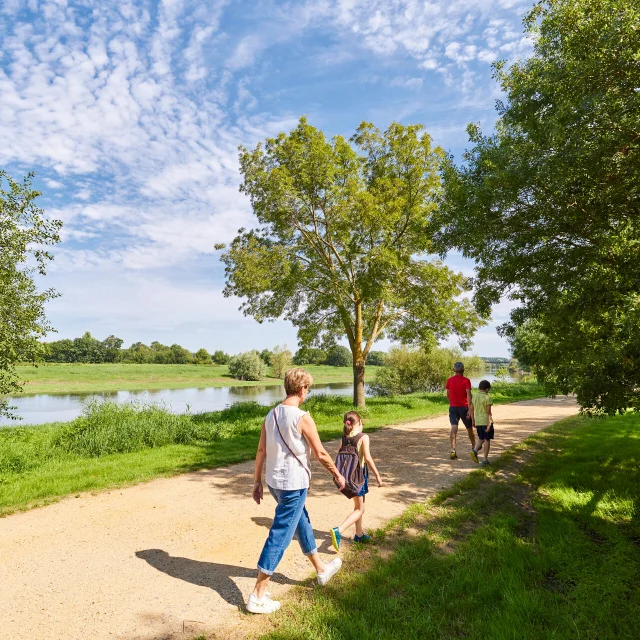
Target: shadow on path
[{"x": 213, "y": 575}]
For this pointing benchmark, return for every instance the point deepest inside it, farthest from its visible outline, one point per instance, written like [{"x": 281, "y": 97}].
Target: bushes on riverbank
[
  {"x": 409, "y": 370},
  {"x": 107, "y": 428}
]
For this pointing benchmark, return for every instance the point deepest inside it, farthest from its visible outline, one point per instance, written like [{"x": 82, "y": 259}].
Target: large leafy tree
[
  {"x": 343, "y": 241},
  {"x": 549, "y": 204},
  {"x": 24, "y": 234}
]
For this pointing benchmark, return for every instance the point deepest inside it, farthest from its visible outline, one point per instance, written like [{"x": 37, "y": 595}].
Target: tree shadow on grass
[{"x": 213, "y": 575}]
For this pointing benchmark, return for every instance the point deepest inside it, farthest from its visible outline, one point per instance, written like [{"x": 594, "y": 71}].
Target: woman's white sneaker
[
  {"x": 330, "y": 570},
  {"x": 262, "y": 605}
]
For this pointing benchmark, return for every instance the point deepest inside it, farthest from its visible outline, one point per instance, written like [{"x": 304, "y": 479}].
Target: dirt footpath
[{"x": 176, "y": 557}]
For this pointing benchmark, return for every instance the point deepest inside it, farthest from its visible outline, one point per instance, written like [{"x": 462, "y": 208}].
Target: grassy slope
[
  {"x": 51, "y": 474},
  {"x": 544, "y": 545},
  {"x": 92, "y": 378}
]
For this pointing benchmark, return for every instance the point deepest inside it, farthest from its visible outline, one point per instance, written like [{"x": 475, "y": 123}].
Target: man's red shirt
[{"x": 457, "y": 386}]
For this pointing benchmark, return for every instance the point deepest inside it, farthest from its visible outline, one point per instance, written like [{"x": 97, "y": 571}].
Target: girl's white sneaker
[
  {"x": 262, "y": 605},
  {"x": 331, "y": 569}
]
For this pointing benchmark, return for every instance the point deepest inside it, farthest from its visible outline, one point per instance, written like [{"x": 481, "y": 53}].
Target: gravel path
[{"x": 176, "y": 557}]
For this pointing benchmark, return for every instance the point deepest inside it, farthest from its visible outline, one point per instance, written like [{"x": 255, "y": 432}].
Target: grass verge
[
  {"x": 95, "y": 378},
  {"x": 544, "y": 545},
  {"x": 115, "y": 445}
]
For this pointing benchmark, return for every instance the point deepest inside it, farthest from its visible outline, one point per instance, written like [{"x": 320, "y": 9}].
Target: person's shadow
[{"x": 206, "y": 574}]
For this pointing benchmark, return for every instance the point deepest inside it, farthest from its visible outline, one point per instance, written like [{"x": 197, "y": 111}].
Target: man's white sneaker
[
  {"x": 262, "y": 605},
  {"x": 330, "y": 570}
]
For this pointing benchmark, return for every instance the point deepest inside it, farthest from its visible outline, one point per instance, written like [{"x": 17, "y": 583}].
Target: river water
[{"x": 41, "y": 408}]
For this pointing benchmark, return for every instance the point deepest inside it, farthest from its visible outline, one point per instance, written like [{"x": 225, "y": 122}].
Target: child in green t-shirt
[{"x": 480, "y": 410}]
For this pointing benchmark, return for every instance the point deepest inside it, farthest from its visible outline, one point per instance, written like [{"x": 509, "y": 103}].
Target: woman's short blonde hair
[{"x": 295, "y": 380}]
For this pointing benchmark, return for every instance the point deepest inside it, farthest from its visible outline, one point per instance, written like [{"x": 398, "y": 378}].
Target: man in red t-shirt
[{"x": 459, "y": 396}]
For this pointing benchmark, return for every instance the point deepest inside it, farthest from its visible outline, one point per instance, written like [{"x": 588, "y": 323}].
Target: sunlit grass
[{"x": 93, "y": 378}]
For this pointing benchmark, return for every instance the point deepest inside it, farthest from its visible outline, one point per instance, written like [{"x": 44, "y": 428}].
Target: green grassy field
[
  {"x": 544, "y": 545},
  {"x": 116, "y": 445},
  {"x": 93, "y": 378}
]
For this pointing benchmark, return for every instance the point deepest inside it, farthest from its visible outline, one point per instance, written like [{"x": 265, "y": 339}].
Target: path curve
[{"x": 175, "y": 557}]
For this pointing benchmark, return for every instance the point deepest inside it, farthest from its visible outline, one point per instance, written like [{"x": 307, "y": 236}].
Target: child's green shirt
[{"x": 481, "y": 400}]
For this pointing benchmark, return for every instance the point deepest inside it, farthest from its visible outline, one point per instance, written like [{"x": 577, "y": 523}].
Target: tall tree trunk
[
  {"x": 358, "y": 359},
  {"x": 358, "y": 383}
]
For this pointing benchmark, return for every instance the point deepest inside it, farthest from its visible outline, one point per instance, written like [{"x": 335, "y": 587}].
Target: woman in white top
[{"x": 287, "y": 439}]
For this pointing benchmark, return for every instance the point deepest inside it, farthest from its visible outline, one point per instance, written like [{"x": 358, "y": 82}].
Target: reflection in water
[{"x": 41, "y": 408}]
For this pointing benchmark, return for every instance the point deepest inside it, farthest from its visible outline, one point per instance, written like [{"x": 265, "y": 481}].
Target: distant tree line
[{"x": 88, "y": 349}]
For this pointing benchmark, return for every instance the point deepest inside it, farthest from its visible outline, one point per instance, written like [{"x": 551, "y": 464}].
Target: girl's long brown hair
[{"x": 351, "y": 419}]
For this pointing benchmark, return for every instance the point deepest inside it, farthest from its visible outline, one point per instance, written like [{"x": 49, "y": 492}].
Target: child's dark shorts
[
  {"x": 459, "y": 413},
  {"x": 484, "y": 432}
]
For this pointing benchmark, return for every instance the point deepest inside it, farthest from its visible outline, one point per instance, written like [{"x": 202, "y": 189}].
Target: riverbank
[
  {"x": 95, "y": 378},
  {"x": 121, "y": 445}
]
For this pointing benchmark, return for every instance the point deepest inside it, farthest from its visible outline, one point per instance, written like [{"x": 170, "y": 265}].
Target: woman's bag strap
[{"x": 288, "y": 447}]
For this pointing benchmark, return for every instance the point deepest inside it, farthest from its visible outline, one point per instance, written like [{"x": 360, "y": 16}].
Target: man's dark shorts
[
  {"x": 459, "y": 413},
  {"x": 484, "y": 432}
]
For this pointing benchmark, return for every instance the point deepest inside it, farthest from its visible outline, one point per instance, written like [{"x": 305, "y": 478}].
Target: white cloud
[
  {"x": 487, "y": 55},
  {"x": 460, "y": 53},
  {"x": 245, "y": 52},
  {"x": 83, "y": 194},
  {"x": 407, "y": 83},
  {"x": 435, "y": 32},
  {"x": 108, "y": 101},
  {"x": 429, "y": 64}
]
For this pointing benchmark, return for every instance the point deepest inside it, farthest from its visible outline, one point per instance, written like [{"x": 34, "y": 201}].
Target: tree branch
[
  {"x": 326, "y": 259},
  {"x": 374, "y": 331},
  {"x": 390, "y": 319}
]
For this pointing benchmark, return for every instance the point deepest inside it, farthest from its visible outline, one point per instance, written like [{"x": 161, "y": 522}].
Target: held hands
[
  {"x": 258, "y": 491},
  {"x": 379, "y": 481},
  {"x": 340, "y": 482}
]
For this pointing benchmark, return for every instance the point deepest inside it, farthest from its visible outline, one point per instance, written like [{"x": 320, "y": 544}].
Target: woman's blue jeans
[{"x": 291, "y": 519}]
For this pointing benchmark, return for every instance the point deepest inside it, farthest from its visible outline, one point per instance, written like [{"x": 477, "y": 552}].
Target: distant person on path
[
  {"x": 352, "y": 434},
  {"x": 287, "y": 439},
  {"x": 482, "y": 420},
  {"x": 459, "y": 396}
]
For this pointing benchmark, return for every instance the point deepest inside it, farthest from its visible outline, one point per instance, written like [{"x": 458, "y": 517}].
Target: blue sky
[{"x": 131, "y": 114}]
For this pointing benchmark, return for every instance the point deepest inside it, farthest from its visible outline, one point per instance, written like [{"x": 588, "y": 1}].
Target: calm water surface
[{"x": 41, "y": 408}]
